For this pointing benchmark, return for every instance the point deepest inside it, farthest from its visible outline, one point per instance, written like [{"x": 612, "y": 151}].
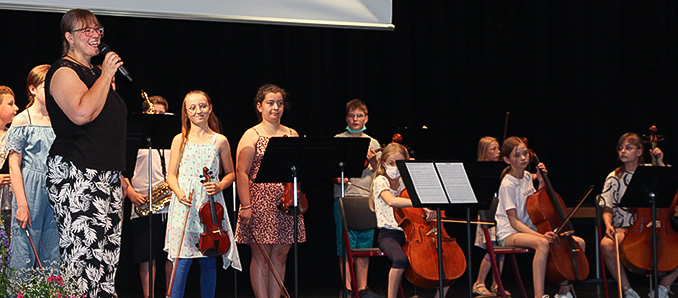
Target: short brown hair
[
  {"x": 6, "y": 90},
  {"x": 155, "y": 99},
  {"x": 634, "y": 140},
  {"x": 356, "y": 104}
]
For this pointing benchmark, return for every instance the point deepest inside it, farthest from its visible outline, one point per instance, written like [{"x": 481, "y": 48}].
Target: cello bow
[
  {"x": 283, "y": 290},
  {"x": 574, "y": 210},
  {"x": 181, "y": 243}
]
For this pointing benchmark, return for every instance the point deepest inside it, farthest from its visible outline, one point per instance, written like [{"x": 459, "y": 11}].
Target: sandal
[
  {"x": 495, "y": 289},
  {"x": 479, "y": 290}
]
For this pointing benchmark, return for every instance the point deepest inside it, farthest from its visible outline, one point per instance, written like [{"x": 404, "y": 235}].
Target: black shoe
[
  {"x": 367, "y": 293},
  {"x": 349, "y": 294}
]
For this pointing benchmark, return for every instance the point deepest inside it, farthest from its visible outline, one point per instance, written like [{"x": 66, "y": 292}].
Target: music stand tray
[
  {"x": 485, "y": 177},
  {"x": 647, "y": 182}
]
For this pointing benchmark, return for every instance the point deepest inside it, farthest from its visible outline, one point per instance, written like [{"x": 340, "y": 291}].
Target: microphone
[{"x": 104, "y": 49}]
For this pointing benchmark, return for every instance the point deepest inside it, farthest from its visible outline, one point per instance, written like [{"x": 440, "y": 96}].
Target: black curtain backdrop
[{"x": 575, "y": 75}]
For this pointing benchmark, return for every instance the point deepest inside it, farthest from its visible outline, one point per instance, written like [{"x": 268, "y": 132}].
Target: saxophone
[{"x": 160, "y": 198}]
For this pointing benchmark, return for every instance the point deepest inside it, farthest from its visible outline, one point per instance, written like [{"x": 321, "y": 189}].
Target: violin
[
  {"x": 566, "y": 260},
  {"x": 214, "y": 240},
  {"x": 287, "y": 204},
  {"x": 422, "y": 249},
  {"x": 635, "y": 251}
]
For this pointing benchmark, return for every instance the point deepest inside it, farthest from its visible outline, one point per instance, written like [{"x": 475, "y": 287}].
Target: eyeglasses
[
  {"x": 90, "y": 31},
  {"x": 356, "y": 115},
  {"x": 627, "y": 148},
  {"x": 192, "y": 109}
]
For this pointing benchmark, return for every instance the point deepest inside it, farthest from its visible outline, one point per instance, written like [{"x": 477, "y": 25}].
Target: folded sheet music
[{"x": 440, "y": 182}]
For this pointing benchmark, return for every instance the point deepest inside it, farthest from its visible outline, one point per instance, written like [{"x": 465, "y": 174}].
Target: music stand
[
  {"x": 300, "y": 160},
  {"x": 436, "y": 184},
  {"x": 349, "y": 156},
  {"x": 143, "y": 132},
  {"x": 651, "y": 187}
]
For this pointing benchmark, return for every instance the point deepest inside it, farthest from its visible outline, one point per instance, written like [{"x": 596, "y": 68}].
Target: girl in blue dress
[{"x": 28, "y": 142}]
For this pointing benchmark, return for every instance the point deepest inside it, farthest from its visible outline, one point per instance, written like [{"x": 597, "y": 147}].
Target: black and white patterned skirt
[{"x": 87, "y": 206}]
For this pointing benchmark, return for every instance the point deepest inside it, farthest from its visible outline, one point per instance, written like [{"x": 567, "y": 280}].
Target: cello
[
  {"x": 635, "y": 251},
  {"x": 214, "y": 240},
  {"x": 566, "y": 260},
  {"x": 422, "y": 249}
]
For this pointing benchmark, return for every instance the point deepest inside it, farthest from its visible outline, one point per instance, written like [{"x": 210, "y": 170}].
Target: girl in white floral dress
[{"x": 199, "y": 145}]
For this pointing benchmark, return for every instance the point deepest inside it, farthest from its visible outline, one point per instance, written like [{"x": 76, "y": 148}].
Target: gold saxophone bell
[
  {"x": 161, "y": 197},
  {"x": 151, "y": 109}
]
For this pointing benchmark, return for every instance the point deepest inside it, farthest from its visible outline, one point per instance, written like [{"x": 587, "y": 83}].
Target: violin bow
[
  {"x": 35, "y": 254},
  {"x": 270, "y": 265},
  {"x": 181, "y": 243},
  {"x": 569, "y": 216},
  {"x": 357, "y": 186},
  {"x": 619, "y": 285}
]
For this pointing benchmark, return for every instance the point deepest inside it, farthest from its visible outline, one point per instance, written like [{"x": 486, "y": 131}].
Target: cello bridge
[
  {"x": 433, "y": 231},
  {"x": 658, "y": 224}
]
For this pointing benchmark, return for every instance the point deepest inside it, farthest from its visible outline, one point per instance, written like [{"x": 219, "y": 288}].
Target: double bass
[
  {"x": 566, "y": 260},
  {"x": 422, "y": 249},
  {"x": 635, "y": 251}
]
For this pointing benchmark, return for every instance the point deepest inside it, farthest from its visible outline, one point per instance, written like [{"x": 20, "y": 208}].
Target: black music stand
[
  {"x": 437, "y": 184},
  {"x": 143, "y": 132},
  {"x": 651, "y": 187},
  {"x": 349, "y": 156},
  {"x": 306, "y": 160}
]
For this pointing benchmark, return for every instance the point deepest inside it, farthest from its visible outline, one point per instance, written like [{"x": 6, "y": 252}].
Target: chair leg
[
  {"x": 497, "y": 276},
  {"x": 519, "y": 280},
  {"x": 349, "y": 259},
  {"x": 495, "y": 267},
  {"x": 602, "y": 266}
]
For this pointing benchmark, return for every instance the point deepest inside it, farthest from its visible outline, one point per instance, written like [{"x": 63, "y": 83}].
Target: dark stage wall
[{"x": 575, "y": 75}]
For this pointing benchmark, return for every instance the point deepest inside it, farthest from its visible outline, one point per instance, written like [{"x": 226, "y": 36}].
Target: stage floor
[{"x": 458, "y": 290}]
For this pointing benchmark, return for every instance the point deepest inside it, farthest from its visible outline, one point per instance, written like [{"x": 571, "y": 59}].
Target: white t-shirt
[
  {"x": 384, "y": 212},
  {"x": 140, "y": 179},
  {"x": 612, "y": 193},
  {"x": 365, "y": 180},
  {"x": 513, "y": 194}
]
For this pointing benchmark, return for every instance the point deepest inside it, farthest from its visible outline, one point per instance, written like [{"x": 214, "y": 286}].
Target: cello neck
[{"x": 553, "y": 197}]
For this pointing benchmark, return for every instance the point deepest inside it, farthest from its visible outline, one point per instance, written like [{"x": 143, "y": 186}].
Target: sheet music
[
  {"x": 427, "y": 184},
  {"x": 456, "y": 183}
]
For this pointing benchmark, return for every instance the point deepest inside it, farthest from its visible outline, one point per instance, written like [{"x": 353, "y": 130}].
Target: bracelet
[{"x": 245, "y": 207}]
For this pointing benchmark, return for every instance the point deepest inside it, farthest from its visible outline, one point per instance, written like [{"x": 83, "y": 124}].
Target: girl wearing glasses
[
  {"x": 200, "y": 144},
  {"x": 87, "y": 156},
  {"x": 618, "y": 219}
]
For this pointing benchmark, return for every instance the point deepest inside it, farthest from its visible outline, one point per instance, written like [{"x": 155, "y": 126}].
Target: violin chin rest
[{"x": 211, "y": 253}]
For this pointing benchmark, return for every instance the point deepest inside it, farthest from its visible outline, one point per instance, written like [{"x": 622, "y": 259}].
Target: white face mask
[{"x": 392, "y": 172}]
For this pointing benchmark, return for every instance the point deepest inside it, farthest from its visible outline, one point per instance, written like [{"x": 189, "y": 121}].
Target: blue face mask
[{"x": 356, "y": 131}]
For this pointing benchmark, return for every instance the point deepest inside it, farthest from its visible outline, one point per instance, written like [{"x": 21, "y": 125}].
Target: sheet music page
[
  {"x": 426, "y": 183},
  {"x": 456, "y": 183}
]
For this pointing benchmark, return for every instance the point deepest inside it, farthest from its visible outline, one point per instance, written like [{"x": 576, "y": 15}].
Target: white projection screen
[{"x": 359, "y": 14}]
